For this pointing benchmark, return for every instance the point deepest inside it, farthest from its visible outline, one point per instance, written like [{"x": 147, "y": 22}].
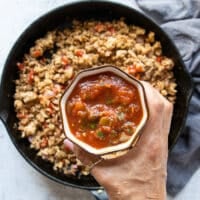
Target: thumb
[{"x": 85, "y": 157}]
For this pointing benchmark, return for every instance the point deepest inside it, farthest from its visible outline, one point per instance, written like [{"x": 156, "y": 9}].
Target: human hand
[{"x": 141, "y": 173}]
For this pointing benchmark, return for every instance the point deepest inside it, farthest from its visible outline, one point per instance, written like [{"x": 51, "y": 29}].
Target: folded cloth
[{"x": 181, "y": 21}]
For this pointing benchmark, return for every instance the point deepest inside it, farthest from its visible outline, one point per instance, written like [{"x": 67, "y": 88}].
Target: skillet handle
[
  {"x": 3, "y": 120},
  {"x": 3, "y": 112},
  {"x": 99, "y": 194},
  {"x": 1, "y": 101},
  {"x": 4, "y": 100}
]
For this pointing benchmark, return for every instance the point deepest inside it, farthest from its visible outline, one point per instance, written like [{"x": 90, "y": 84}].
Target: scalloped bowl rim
[{"x": 95, "y": 71}]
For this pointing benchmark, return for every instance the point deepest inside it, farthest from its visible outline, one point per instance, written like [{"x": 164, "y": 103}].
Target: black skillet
[{"x": 62, "y": 17}]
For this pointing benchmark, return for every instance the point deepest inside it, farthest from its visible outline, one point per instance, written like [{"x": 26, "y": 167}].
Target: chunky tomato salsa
[{"x": 104, "y": 110}]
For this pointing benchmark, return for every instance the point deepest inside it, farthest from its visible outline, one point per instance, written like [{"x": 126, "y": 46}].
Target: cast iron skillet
[{"x": 59, "y": 18}]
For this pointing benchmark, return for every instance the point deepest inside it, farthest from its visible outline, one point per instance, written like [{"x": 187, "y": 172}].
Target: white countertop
[{"x": 18, "y": 180}]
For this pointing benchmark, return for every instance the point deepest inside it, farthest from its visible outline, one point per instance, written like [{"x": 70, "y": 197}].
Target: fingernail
[{"x": 69, "y": 144}]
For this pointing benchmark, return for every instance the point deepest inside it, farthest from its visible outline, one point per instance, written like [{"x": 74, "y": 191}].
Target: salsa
[{"x": 104, "y": 110}]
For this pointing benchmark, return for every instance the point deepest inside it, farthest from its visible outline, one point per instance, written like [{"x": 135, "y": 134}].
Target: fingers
[
  {"x": 162, "y": 107},
  {"x": 72, "y": 147},
  {"x": 85, "y": 157},
  {"x": 156, "y": 100},
  {"x": 160, "y": 110},
  {"x": 152, "y": 93},
  {"x": 69, "y": 145}
]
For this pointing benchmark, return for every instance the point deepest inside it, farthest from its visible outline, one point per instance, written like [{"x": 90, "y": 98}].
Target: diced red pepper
[
  {"x": 31, "y": 76},
  {"x": 159, "y": 58},
  {"x": 79, "y": 53},
  {"x": 44, "y": 142},
  {"x": 37, "y": 53},
  {"x": 51, "y": 106},
  {"x": 21, "y": 115},
  {"x": 65, "y": 60},
  {"x": 111, "y": 29},
  {"x": 20, "y": 66},
  {"x": 99, "y": 28}
]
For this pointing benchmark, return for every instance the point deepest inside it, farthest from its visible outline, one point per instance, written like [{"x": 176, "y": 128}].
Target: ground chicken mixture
[{"x": 55, "y": 59}]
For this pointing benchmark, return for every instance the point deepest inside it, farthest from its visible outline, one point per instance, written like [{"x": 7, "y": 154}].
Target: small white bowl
[{"x": 95, "y": 71}]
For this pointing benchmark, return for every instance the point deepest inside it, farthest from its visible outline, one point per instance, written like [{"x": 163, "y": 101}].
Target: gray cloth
[{"x": 181, "y": 20}]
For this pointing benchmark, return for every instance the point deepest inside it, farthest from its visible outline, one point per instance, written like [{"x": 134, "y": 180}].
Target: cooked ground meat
[{"x": 55, "y": 59}]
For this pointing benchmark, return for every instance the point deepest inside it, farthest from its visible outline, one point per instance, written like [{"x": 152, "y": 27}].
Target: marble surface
[{"x": 18, "y": 180}]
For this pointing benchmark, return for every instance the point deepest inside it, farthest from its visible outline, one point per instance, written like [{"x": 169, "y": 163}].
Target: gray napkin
[{"x": 181, "y": 20}]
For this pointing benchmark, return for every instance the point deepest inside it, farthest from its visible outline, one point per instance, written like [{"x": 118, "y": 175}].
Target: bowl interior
[
  {"x": 60, "y": 18},
  {"x": 95, "y": 71}
]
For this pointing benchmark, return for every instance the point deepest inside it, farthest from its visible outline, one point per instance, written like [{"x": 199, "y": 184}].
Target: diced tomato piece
[
  {"x": 20, "y": 66},
  {"x": 51, "y": 109},
  {"x": 111, "y": 29},
  {"x": 37, "y": 53},
  {"x": 99, "y": 28},
  {"x": 31, "y": 76},
  {"x": 159, "y": 58},
  {"x": 79, "y": 53},
  {"x": 44, "y": 142},
  {"x": 65, "y": 60},
  {"x": 51, "y": 106},
  {"x": 21, "y": 115}
]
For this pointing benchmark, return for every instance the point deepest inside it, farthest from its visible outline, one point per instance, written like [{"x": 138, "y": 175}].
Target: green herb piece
[
  {"x": 100, "y": 134},
  {"x": 92, "y": 125},
  {"x": 109, "y": 101}
]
